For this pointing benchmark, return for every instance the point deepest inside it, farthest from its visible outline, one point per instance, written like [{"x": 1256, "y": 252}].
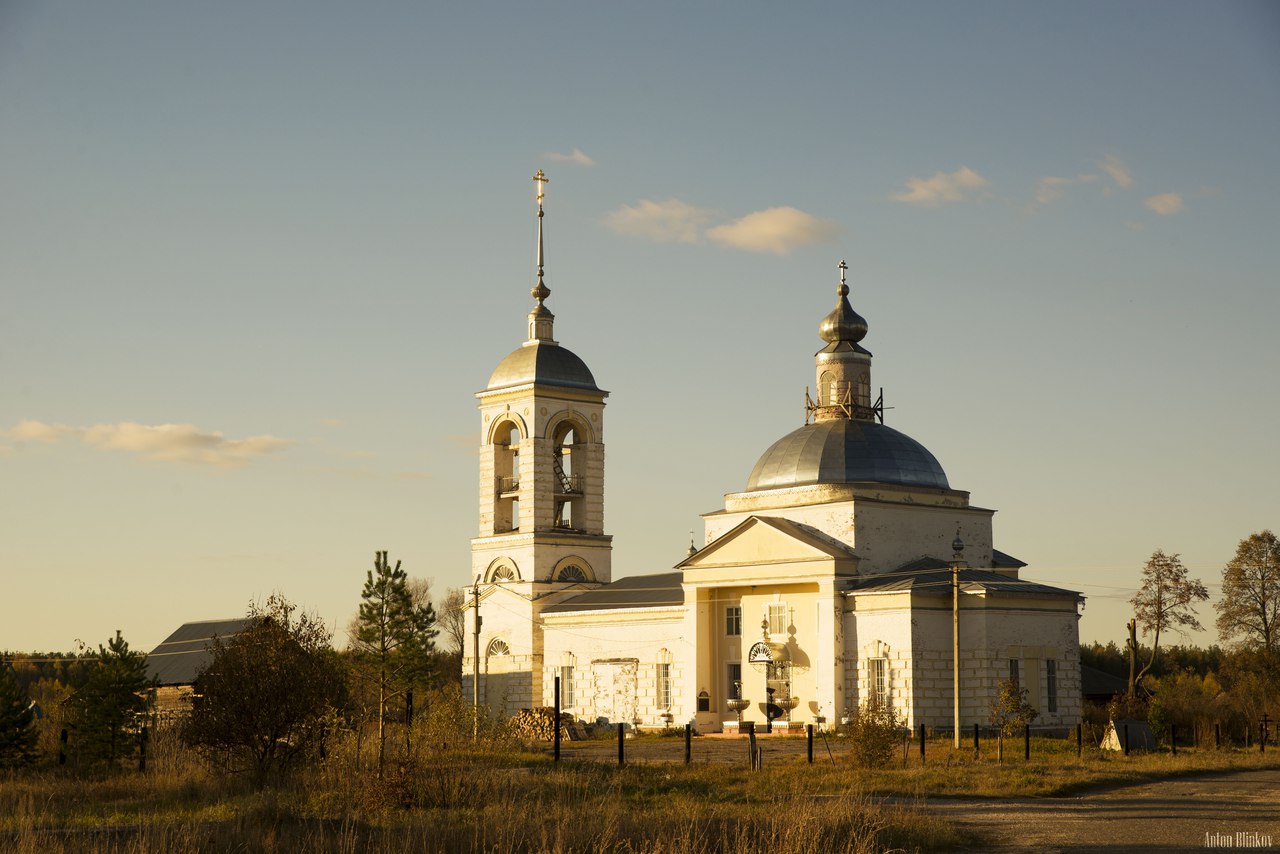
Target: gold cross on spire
[
  {"x": 843, "y": 290},
  {"x": 540, "y": 179}
]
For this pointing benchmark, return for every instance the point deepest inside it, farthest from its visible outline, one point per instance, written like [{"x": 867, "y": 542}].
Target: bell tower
[{"x": 541, "y": 493}]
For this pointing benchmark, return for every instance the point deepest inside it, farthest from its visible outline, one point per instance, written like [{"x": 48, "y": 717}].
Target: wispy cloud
[
  {"x": 577, "y": 156},
  {"x": 671, "y": 221},
  {"x": 165, "y": 442},
  {"x": 776, "y": 230},
  {"x": 943, "y": 188},
  {"x": 1165, "y": 204},
  {"x": 1116, "y": 171},
  {"x": 333, "y": 422},
  {"x": 1049, "y": 189}
]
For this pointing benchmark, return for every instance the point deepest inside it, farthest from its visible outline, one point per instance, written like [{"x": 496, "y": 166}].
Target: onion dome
[{"x": 843, "y": 324}]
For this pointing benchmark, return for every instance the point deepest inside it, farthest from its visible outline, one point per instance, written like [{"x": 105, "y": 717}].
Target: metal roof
[
  {"x": 1005, "y": 561},
  {"x": 659, "y": 590},
  {"x": 845, "y": 450},
  {"x": 185, "y": 653},
  {"x": 545, "y": 363},
  {"x": 933, "y": 575}
]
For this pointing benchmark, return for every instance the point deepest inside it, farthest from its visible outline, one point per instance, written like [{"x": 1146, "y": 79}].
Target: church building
[{"x": 834, "y": 579}]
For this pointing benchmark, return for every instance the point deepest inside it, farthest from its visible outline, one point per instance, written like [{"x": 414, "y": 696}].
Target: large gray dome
[
  {"x": 846, "y": 451},
  {"x": 543, "y": 363}
]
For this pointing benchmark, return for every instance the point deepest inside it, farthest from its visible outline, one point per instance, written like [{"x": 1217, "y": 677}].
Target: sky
[{"x": 257, "y": 258}]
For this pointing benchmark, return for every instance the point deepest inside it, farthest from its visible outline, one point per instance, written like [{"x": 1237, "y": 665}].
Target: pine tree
[
  {"x": 109, "y": 710},
  {"x": 395, "y": 635},
  {"x": 17, "y": 721}
]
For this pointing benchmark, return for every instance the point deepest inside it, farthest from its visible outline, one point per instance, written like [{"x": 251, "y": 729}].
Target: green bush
[{"x": 875, "y": 732}]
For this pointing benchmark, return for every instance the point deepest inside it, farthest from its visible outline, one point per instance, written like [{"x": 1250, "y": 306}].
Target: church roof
[
  {"x": 185, "y": 653},
  {"x": 931, "y": 574},
  {"x": 659, "y": 590},
  {"x": 544, "y": 363},
  {"x": 846, "y": 451}
]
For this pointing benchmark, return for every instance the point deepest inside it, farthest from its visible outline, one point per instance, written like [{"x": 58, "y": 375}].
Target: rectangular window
[
  {"x": 566, "y": 687},
  {"x": 664, "y": 686},
  {"x": 778, "y": 619},
  {"x": 1014, "y": 675},
  {"x": 735, "y": 680},
  {"x": 733, "y": 620},
  {"x": 880, "y": 681},
  {"x": 1051, "y": 674}
]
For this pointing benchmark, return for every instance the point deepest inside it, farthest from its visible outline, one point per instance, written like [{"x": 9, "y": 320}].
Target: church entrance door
[{"x": 615, "y": 689}]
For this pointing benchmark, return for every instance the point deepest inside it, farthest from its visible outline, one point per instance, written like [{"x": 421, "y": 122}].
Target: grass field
[{"x": 506, "y": 797}]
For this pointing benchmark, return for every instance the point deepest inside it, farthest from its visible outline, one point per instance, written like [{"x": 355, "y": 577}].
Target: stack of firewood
[{"x": 537, "y": 724}]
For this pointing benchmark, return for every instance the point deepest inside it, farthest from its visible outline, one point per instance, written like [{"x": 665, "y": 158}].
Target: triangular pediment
[{"x": 768, "y": 541}]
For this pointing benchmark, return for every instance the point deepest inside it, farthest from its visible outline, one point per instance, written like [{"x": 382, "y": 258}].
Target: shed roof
[{"x": 183, "y": 654}]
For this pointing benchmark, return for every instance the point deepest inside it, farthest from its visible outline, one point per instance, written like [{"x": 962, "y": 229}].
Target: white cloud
[
  {"x": 333, "y": 422},
  {"x": 1117, "y": 171},
  {"x": 575, "y": 156},
  {"x": 166, "y": 442},
  {"x": 776, "y": 230},
  {"x": 1165, "y": 204},
  {"x": 672, "y": 221},
  {"x": 942, "y": 188}
]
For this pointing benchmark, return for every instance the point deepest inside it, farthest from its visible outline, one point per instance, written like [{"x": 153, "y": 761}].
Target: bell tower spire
[{"x": 541, "y": 318}]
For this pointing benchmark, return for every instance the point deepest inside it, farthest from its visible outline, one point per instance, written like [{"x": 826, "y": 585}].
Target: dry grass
[{"x": 451, "y": 796}]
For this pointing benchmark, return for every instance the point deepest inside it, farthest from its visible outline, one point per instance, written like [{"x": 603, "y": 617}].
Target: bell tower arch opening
[
  {"x": 569, "y": 494},
  {"x": 506, "y": 466}
]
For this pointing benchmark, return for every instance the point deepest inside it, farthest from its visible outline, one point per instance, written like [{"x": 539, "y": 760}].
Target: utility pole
[
  {"x": 957, "y": 546},
  {"x": 475, "y": 665}
]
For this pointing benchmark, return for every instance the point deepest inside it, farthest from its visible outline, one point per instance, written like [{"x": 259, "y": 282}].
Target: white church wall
[
  {"x": 615, "y": 659},
  {"x": 890, "y": 535}
]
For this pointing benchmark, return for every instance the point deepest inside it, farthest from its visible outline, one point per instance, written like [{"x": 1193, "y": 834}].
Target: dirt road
[{"x": 1240, "y": 810}]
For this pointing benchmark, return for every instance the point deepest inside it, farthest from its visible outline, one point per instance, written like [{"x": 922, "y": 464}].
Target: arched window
[
  {"x": 497, "y": 648},
  {"x": 827, "y": 389},
  {"x": 572, "y": 572},
  {"x": 502, "y": 569}
]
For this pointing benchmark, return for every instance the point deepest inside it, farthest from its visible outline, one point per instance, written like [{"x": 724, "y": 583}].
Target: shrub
[
  {"x": 1010, "y": 710},
  {"x": 874, "y": 731}
]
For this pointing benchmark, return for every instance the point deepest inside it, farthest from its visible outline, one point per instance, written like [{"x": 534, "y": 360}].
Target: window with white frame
[
  {"x": 1051, "y": 683},
  {"x": 566, "y": 687},
  {"x": 880, "y": 681},
  {"x": 778, "y": 618},
  {"x": 664, "y": 686},
  {"x": 733, "y": 620}
]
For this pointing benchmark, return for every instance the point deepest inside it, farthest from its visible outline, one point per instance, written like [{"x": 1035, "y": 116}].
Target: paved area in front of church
[{"x": 1235, "y": 810}]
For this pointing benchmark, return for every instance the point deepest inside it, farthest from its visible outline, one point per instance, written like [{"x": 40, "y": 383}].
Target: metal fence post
[
  {"x": 622, "y": 755},
  {"x": 808, "y": 729},
  {"x": 1079, "y": 739},
  {"x": 688, "y": 743},
  {"x": 976, "y": 750},
  {"x": 1026, "y": 740},
  {"x": 1173, "y": 739},
  {"x": 922, "y": 744},
  {"x": 555, "y": 739}
]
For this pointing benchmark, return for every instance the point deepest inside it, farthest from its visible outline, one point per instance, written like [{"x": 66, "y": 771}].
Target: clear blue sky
[{"x": 303, "y": 234}]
